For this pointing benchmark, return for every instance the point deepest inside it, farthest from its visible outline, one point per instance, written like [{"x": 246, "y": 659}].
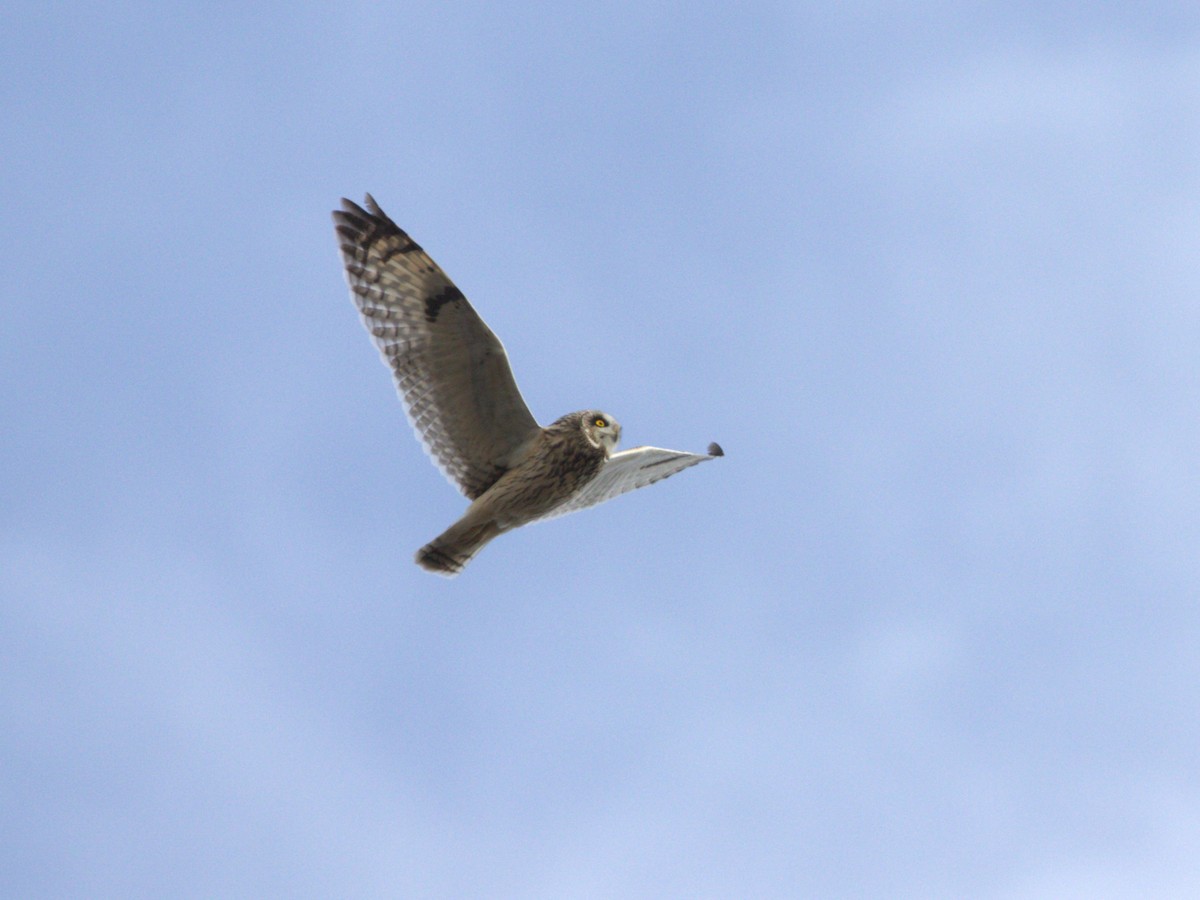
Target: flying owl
[{"x": 458, "y": 390}]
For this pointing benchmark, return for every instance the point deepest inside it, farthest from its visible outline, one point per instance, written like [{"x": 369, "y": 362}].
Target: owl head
[{"x": 601, "y": 429}]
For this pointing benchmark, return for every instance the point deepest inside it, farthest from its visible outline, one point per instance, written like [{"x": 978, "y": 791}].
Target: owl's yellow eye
[{"x": 599, "y": 423}]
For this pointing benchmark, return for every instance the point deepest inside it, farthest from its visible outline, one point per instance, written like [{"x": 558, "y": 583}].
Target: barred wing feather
[
  {"x": 632, "y": 469},
  {"x": 450, "y": 369}
]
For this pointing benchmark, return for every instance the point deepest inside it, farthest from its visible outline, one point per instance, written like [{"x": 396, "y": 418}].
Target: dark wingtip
[
  {"x": 348, "y": 207},
  {"x": 373, "y": 206},
  {"x": 369, "y": 208},
  {"x": 714, "y": 449}
]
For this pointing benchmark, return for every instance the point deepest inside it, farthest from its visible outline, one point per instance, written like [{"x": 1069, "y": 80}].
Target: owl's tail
[{"x": 450, "y": 551}]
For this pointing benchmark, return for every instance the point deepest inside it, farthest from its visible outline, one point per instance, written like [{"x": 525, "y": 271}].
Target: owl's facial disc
[{"x": 606, "y": 430}]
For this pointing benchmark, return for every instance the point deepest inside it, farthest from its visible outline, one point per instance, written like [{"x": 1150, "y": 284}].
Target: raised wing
[
  {"x": 450, "y": 369},
  {"x": 632, "y": 469}
]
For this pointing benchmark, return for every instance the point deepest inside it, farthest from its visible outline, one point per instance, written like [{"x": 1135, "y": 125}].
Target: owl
[{"x": 461, "y": 398}]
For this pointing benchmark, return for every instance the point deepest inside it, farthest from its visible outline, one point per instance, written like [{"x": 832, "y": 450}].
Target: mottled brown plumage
[
  {"x": 559, "y": 462},
  {"x": 460, "y": 396}
]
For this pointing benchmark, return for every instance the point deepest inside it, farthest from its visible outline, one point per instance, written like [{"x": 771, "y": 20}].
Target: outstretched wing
[
  {"x": 450, "y": 369},
  {"x": 630, "y": 470}
]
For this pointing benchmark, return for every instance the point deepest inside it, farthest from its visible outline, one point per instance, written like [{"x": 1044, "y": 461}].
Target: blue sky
[{"x": 927, "y": 271}]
